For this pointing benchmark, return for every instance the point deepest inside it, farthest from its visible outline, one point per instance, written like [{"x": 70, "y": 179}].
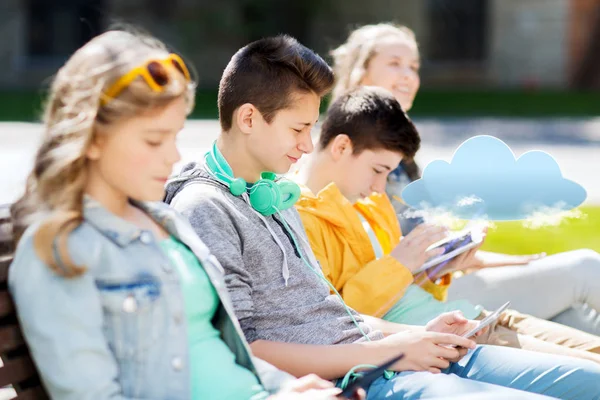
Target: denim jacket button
[
  {"x": 177, "y": 364},
  {"x": 145, "y": 237},
  {"x": 130, "y": 304},
  {"x": 177, "y": 318}
]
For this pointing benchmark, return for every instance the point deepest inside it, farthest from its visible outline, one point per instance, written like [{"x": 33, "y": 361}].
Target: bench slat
[
  {"x": 4, "y": 264},
  {"x": 6, "y": 238},
  {"x": 6, "y": 245},
  {"x": 34, "y": 393},
  {"x": 6, "y": 305},
  {"x": 10, "y": 338},
  {"x": 16, "y": 371},
  {"x": 19, "y": 371},
  {"x": 6, "y": 248}
]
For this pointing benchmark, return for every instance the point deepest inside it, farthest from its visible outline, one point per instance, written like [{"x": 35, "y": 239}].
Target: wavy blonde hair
[
  {"x": 73, "y": 113},
  {"x": 351, "y": 59}
]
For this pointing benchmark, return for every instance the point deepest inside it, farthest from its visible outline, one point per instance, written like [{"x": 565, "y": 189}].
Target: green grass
[
  {"x": 513, "y": 238},
  {"x": 20, "y": 105},
  {"x": 26, "y": 105},
  {"x": 542, "y": 103}
]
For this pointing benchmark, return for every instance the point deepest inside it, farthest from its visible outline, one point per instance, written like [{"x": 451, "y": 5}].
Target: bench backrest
[{"x": 17, "y": 367}]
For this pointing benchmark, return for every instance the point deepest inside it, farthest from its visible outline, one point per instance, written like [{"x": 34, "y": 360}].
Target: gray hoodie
[{"x": 275, "y": 295}]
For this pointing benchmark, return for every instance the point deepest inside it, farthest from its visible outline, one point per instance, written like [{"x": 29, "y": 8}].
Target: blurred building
[{"x": 500, "y": 43}]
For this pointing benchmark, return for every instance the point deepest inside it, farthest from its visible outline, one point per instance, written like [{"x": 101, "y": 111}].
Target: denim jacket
[
  {"x": 119, "y": 330},
  {"x": 398, "y": 179}
]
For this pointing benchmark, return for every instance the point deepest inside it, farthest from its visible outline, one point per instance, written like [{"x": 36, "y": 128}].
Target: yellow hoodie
[{"x": 371, "y": 286}]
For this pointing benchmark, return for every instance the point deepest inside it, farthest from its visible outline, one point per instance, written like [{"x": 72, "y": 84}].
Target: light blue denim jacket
[{"x": 119, "y": 330}]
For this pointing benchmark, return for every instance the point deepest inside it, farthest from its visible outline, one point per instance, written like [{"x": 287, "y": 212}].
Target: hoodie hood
[
  {"x": 331, "y": 206},
  {"x": 196, "y": 173}
]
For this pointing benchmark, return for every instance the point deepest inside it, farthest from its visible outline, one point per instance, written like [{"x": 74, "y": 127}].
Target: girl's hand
[{"x": 307, "y": 388}]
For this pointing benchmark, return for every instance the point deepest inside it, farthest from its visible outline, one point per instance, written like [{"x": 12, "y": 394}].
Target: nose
[
  {"x": 379, "y": 183},
  {"x": 305, "y": 143},
  {"x": 407, "y": 74},
  {"x": 411, "y": 75},
  {"x": 172, "y": 155}
]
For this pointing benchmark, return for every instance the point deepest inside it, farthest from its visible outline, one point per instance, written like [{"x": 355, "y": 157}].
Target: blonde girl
[{"x": 116, "y": 295}]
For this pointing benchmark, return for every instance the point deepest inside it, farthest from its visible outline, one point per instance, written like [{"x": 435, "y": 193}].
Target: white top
[{"x": 372, "y": 237}]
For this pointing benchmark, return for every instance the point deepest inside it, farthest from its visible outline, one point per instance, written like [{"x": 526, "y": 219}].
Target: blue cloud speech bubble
[{"x": 485, "y": 180}]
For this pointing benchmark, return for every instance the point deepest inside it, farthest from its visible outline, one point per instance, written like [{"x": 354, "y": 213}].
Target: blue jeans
[{"x": 497, "y": 370}]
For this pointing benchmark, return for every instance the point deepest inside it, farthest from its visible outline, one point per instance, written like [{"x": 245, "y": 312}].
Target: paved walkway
[{"x": 574, "y": 143}]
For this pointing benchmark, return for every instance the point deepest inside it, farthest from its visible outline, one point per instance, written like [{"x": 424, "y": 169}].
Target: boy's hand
[
  {"x": 453, "y": 322},
  {"x": 423, "y": 351},
  {"x": 411, "y": 251}
]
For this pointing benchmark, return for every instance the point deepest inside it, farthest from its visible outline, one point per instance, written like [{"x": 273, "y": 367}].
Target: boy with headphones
[{"x": 269, "y": 98}]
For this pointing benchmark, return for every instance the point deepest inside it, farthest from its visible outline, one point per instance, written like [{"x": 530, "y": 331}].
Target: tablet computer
[
  {"x": 487, "y": 321},
  {"x": 453, "y": 245}
]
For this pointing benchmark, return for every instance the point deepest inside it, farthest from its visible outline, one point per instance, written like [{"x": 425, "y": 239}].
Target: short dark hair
[
  {"x": 373, "y": 120},
  {"x": 267, "y": 73}
]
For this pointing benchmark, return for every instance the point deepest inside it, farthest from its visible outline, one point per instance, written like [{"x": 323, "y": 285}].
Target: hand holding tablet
[
  {"x": 451, "y": 247},
  {"x": 484, "y": 323},
  {"x": 412, "y": 249}
]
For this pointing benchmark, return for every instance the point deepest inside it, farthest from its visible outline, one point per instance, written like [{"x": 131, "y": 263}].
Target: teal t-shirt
[
  {"x": 417, "y": 306},
  {"x": 213, "y": 370}
]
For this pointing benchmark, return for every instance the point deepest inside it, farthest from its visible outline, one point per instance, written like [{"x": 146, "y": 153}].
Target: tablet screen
[{"x": 456, "y": 243}]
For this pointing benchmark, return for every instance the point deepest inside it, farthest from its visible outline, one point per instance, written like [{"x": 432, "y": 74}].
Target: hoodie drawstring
[{"x": 285, "y": 271}]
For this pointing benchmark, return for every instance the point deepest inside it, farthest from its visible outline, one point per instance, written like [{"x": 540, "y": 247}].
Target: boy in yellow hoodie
[{"x": 355, "y": 235}]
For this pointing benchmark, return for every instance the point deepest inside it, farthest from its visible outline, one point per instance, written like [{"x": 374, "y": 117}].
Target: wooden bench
[{"x": 16, "y": 367}]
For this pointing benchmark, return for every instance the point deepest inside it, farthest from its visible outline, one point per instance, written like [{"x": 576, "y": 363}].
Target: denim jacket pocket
[{"x": 135, "y": 316}]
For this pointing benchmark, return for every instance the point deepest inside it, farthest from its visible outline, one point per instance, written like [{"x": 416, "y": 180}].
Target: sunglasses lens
[
  {"x": 158, "y": 73},
  {"x": 179, "y": 67}
]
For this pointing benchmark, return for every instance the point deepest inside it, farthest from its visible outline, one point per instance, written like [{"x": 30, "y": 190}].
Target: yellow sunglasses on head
[{"x": 154, "y": 72}]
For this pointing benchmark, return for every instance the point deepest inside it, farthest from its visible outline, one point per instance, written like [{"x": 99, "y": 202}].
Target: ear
[
  {"x": 94, "y": 151},
  {"x": 246, "y": 117},
  {"x": 340, "y": 146}
]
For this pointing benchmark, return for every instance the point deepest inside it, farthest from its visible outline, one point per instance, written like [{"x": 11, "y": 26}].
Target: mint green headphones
[{"x": 267, "y": 196}]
